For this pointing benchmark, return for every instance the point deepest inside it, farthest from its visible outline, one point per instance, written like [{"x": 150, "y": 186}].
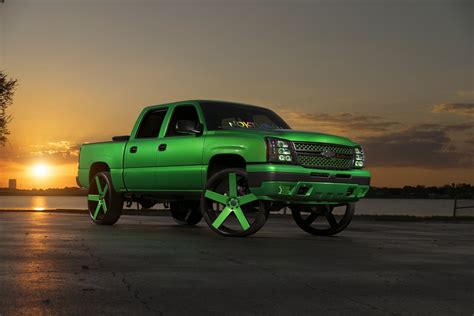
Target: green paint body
[{"x": 182, "y": 167}]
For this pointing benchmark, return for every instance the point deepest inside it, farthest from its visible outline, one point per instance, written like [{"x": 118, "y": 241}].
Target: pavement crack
[
  {"x": 135, "y": 293},
  {"x": 138, "y": 298}
]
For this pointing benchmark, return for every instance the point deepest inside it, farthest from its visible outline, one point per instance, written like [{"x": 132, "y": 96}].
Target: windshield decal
[
  {"x": 250, "y": 124},
  {"x": 242, "y": 124}
]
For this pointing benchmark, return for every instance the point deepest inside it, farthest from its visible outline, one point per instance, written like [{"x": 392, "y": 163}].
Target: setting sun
[{"x": 41, "y": 170}]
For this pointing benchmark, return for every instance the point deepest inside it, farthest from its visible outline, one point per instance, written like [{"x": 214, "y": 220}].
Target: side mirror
[{"x": 188, "y": 127}]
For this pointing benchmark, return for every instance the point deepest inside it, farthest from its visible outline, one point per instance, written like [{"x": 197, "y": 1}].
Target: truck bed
[{"x": 110, "y": 153}]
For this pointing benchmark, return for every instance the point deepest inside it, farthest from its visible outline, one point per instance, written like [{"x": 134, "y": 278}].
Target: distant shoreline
[{"x": 154, "y": 212}]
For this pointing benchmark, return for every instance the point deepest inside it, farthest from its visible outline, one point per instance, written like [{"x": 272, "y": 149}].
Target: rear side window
[
  {"x": 182, "y": 112},
  {"x": 151, "y": 124}
]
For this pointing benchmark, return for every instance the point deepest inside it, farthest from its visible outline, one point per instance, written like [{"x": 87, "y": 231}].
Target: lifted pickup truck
[{"x": 229, "y": 163}]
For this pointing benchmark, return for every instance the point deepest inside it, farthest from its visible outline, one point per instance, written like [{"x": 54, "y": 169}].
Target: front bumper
[{"x": 296, "y": 184}]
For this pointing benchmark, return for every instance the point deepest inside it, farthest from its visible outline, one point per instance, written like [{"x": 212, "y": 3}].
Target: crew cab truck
[{"x": 230, "y": 163}]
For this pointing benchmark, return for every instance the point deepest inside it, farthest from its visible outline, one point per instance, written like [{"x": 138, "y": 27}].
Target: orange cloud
[
  {"x": 350, "y": 124},
  {"x": 466, "y": 109},
  {"x": 392, "y": 144}
]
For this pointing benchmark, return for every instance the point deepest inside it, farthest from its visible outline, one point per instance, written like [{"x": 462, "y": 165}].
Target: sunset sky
[{"x": 396, "y": 76}]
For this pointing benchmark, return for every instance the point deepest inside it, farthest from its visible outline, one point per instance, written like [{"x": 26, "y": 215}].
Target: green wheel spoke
[
  {"x": 97, "y": 182},
  {"x": 106, "y": 188},
  {"x": 247, "y": 198},
  {"x": 93, "y": 197},
  {"x": 222, "y": 217},
  {"x": 216, "y": 197},
  {"x": 97, "y": 209},
  {"x": 104, "y": 206},
  {"x": 241, "y": 218},
  {"x": 100, "y": 198},
  {"x": 232, "y": 184}
]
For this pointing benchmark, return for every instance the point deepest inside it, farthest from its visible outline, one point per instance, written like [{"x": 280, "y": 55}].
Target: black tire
[
  {"x": 146, "y": 204},
  {"x": 218, "y": 203},
  {"x": 186, "y": 213},
  {"x": 330, "y": 223},
  {"x": 105, "y": 205}
]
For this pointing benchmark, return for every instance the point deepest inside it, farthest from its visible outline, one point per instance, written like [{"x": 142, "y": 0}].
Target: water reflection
[
  {"x": 34, "y": 273},
  {"x": 39, "y": 203}
]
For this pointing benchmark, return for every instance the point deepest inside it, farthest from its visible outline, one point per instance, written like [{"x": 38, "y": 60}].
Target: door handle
[
  {"x": 162, "y": 147},
  {"x": 133, "y": 149}
]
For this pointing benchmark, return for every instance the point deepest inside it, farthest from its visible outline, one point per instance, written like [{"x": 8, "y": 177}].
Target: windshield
[{"x": 224, "y": 115}]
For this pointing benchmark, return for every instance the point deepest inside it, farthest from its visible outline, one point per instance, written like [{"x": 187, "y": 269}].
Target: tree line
[{"x": 460, "y": 191}]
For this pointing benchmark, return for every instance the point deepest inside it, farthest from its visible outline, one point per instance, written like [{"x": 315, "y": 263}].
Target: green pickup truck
[{"x": 230, "y": 163}]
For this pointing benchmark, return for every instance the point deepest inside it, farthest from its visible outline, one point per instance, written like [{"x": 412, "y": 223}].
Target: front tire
[
  {"x": 228, "y": 206},
  {"x": 324, "y": 219},
  {"x": 104, "y": 204}
]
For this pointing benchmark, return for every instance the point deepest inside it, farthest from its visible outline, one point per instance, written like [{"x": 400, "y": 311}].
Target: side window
[
  {"x": 151, "y": 124},
  {"x": 182, "y": 112}
]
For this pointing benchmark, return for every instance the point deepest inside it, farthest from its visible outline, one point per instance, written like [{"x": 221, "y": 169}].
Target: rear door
[
  {"x": 141, "y": 152},
  {"x": 180, "y": 155}
]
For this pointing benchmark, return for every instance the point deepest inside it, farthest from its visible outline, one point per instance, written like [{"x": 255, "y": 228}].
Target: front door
[
  {"x": 180, "y": 155},
  {"x": 141, "y": 153}
]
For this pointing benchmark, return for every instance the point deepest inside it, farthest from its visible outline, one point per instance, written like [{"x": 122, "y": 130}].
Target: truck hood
[{"x": 298, "y": 136}]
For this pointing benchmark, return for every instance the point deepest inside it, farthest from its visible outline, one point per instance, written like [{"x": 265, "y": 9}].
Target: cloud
[
  {"x": 54, "y": 152},
  {"x": 351, "y": 124},
  {"x": 466, "y": 109},
  {"x": 466, "y": 94},
  {"x": 60, "y": 151},
  {"x": 458, "y": 127},
  {"x": 423, "y": 146},
  {"x": 390, "y": 143}
]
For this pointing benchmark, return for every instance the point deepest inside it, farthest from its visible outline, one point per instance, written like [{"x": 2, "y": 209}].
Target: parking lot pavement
[{"x": 63, "y": 264}]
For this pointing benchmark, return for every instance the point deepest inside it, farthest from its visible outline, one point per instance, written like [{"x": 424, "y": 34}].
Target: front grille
[{"x": 324, "y": 156}]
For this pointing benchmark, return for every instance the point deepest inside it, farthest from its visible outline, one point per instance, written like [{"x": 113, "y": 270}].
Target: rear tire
[
  {"x": 104, "y": 204},
  {"x": 186, "y": 213}
]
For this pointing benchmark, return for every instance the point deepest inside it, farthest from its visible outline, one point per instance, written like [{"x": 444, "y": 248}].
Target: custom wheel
[
  {"x": 105, "y": 205},
  {"x": 186, "y": 212},
  {"x": 228, "y": 206},
  {"x": 323, "y": 219}
]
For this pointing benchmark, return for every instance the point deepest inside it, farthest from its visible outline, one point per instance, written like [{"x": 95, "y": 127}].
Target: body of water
[{"x": 413, "y": 207}]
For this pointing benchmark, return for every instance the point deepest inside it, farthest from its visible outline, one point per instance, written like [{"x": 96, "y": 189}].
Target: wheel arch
[
  {"x": 97, "y": 167},
  {"x": 223, "y": 161}
]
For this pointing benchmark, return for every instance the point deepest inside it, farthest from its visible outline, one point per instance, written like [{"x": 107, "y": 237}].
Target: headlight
[
  {"x": 279, "y": 150},
  {"x": 359, "y": 157}
]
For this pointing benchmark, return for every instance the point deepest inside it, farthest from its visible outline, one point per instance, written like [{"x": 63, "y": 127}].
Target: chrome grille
[{"x": 324, "y": 156}]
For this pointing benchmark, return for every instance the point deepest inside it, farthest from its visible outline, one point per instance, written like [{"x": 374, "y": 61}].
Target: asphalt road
[{"x": 62, "y": 264}]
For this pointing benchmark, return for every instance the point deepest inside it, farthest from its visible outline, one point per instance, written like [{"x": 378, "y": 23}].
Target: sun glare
[{"x": 40, "y": 170}]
